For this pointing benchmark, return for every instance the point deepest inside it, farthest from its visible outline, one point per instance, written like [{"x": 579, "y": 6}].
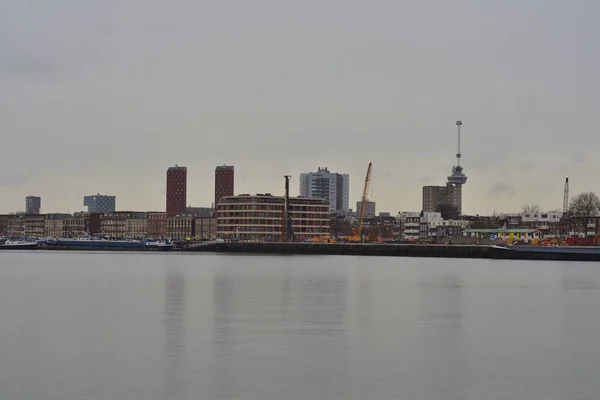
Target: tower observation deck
[{"x": 458, "y": 178}]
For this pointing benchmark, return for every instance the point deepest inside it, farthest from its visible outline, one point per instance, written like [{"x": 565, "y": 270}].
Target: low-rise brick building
[
  {"x": 76, "y": 225},
  {"x": 260, "y": 217},
  {"x": 157, "y": 224},
  {"x": 205, "y": 228},
  {"x": 180, "y": 227},
  {"x": 4, "y": 218},
  {"x": 55, "y": 225},
  {"x": 29, "y": 225}
]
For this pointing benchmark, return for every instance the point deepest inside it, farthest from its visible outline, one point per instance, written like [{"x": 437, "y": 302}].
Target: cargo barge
[{"x": 93, "y": 243}]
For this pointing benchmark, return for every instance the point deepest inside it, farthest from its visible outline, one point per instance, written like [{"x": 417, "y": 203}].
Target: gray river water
[{"x": 174, "y": 326}]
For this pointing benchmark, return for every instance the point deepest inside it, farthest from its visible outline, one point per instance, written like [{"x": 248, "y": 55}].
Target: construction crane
[
  {"x": 566, "y": 197},
  {"x": 357, "y": 234}
]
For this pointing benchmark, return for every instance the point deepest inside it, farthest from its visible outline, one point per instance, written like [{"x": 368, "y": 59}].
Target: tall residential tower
[
  {"x": 224, "y": 179},
  {"x": 176, "y": 190},
  {"x": 327, "y": 185},
  {"x": 33, "y": 204}
]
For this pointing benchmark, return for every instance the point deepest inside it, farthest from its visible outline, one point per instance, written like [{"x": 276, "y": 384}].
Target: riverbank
[{"x": 562, "y": 253}]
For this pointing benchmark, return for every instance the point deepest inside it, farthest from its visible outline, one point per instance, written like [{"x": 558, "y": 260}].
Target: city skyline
[
  {"x": 278, "y": 92},
  {"x": 193, "y": 203}
]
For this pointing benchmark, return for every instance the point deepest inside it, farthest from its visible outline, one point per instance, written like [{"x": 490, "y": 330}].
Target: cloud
[
  {"x": 11, "y": 179},
  {"x": 578, "y": 158},
  {"x": 38, "y": 55},
  {"x": 527, "y": 166},
  {"x": 383, "y": 175},
  {"x": 502, "y": 189}
]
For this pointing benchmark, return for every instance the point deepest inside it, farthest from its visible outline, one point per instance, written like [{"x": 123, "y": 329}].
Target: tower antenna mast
[
  {"x": 458, "y": 125},
  {"x": 457, "y": 178}
]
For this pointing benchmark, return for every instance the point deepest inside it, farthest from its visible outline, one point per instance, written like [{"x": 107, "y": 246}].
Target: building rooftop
[
  {"x": 224, "y": 168},
  {"x": 177, "y": 168},
  {"x": 500, "y": 230},
  {"x": 269, "y": 197}
]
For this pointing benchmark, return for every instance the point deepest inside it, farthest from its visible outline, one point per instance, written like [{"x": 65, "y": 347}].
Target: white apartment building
[
  {"x": 324, "y": 184},
  {"x": 416, "y": 225}
]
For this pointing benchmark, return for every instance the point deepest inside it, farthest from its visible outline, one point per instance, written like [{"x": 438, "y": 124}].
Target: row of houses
[
  {"x": 425, "y": 225},
  {"x": 262, "y": 217},
  {"x": 119, "y": 224},
  {"x": 517, "y": 226}
]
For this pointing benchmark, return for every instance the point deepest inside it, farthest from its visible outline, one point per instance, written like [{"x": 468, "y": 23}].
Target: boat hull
[
  {"x": 556, "y": 253},
  {"x": 102, "y": 245},
  {"x": 556, "y": 249},
  {"x": 93, "y": 243},
  {"x": 28, "y": 246}
]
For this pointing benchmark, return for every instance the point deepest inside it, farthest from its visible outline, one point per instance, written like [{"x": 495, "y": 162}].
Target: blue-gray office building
[
  {"x": 33, "y": 204},
  {"x": 100, "y": 203}
]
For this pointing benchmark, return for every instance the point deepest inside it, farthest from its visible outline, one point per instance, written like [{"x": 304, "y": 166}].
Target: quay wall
[
  {"x": 561, "y": 253},
  {"x": 401, "y": 250}
]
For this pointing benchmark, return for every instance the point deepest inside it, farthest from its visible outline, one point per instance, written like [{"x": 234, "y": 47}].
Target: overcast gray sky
[{"x": 103, "y": 96}]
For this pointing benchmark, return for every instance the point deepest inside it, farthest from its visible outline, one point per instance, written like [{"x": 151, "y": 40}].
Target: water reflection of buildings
[{"x": 175, "y": 340}]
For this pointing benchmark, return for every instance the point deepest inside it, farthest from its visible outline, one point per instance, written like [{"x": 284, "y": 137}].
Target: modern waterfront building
[
  {"x": 551, "y": 224},
  {"x": 224, "y": 182},
  {"x": 100, "y": 203},
  {"x": 520, "y": 235},
  {"x": 33, "y": 204},
  {"x": 369, "y": 209},
  {"x": 260, "y": 217},
  {"x": 425, "y": 225},
  {"x": 324, "y": 184},
  {"x": 176, "y": 190}
]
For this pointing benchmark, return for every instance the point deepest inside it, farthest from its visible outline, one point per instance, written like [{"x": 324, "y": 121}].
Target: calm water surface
[{"x": 170, "y": 326}]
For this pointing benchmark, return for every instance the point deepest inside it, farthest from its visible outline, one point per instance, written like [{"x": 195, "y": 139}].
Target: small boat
[
  {"x": 87, "y": 241},
  {"x": 18, "y": 244},
  {"x": 92, "y": 242},
  {"x": 159, "y": 244}
]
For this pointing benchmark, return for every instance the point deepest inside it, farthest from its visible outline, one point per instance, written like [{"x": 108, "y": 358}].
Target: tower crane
[
  {"x": 357, "y": 234},
  {"x": 566, "y": 197}
]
